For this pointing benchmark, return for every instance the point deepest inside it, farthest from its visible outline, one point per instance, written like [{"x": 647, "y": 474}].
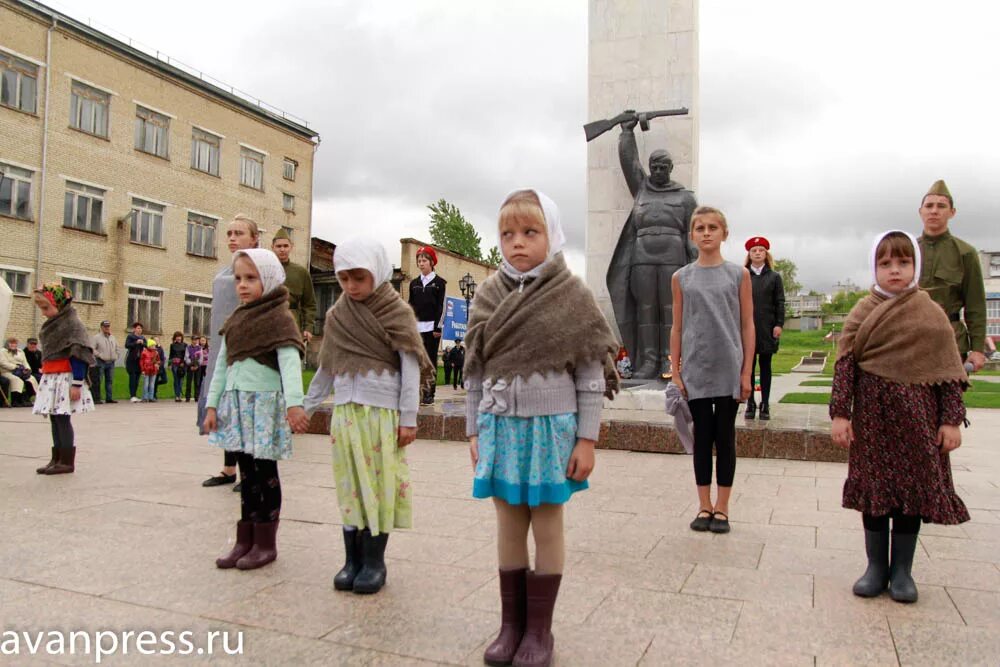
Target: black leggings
[
  {"x": 229, "y": 459},
  {"x": 431, "y": 344},
  {"x": 902, "y": 524},
  {"x": 714, "y": 424},
  {"x": 765, "y": 377},
  {"x": 260, "y": 493},
  {"x": 62, "y": 431}
]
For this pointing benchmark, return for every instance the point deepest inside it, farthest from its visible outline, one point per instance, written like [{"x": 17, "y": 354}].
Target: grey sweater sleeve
[
  {"x": 319, "y": 390},
  {"x": 409, "y": 388},
  {"x": 474, "y": 395},
  {"x": 590, "y": 386}
]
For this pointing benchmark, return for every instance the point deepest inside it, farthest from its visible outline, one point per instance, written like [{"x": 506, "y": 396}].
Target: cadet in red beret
[
  {"x": 427, "y": 292},
  {"x": 768, "y": 319}
]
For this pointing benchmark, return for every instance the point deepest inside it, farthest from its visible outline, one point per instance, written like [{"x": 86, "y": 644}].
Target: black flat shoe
[
  {"x": 702, "y": 523},
  {"x": 718, "y": 525},
  {"x": 219, "y": 480},
  {"x": 238, "y": 487}
]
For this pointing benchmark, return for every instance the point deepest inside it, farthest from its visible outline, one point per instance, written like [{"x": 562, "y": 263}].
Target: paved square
[{"x": 128, "y": 542}]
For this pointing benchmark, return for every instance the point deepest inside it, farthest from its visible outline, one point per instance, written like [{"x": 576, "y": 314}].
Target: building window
[
  {"x": 993, "y": 329},
  {"x": 144, "y": 306},
  {"x": 15, "y": 192},
  {"x": 290, "y": 167},
  {"x": 251, "y": 168},
  {"x": 19, "y": 84},
  {"x": 17, "y": 281},
  {"x": 147, "y": 223},
  {"x": 84, "y": 208},
  {"x": 84, "y": 291},
  {"x": 197, "y": 315},
  {"x": 994, "y": 266},
  {"x": 88, "y": 109},
  {"x": 201, "y": 235},
  {"x": 152, "y": 132},
  {"x": 287, "y": 202},
  {"x": 205, "y": 151},
  {"x": 993, "y": 309}
]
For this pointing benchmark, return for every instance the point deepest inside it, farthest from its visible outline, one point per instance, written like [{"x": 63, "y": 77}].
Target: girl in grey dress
[{"x": 711, "y": 345}]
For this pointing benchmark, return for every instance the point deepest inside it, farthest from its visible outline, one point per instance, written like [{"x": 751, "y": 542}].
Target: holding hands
[{"x": 297, "y": 419}]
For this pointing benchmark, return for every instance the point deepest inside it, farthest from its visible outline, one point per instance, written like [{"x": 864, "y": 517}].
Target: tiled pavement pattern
[{"x": 128, "y": 542}]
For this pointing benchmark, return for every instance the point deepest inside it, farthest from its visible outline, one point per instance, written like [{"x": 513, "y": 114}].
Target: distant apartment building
[
  {"x": 991, "y": 276},
  {"x": 120, "y": 172}
]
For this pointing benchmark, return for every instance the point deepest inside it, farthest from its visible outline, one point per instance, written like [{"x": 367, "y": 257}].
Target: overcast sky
[{"x": 821, "y": 124}]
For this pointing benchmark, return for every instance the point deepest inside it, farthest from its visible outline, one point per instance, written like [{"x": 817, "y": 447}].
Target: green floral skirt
[{"x": 370, "y": 471}]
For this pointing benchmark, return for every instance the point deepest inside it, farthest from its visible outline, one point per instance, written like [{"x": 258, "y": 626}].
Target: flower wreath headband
[{"x": 56, "y": 294}]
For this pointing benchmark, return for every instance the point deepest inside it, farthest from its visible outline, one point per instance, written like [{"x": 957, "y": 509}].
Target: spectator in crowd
[
  {"x": 14, "y": 367},
  {"x": 34, "y": 357},
  {"x": 135, "y": 343},
  {"x": 192, "y": 362},
  {"x": 446, "y": 362},
  {"x": 149, "y": 364},
  {"x": 106, "y": 355},
  {"x": 178, "y": 350},
  {"x": 457, "y": 364}
]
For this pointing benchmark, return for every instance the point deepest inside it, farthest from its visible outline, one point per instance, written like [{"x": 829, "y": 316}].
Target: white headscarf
[
  {"x": 873, "y": 261},
  {"x": 272, "y": 275},
  {"x": 363, "y": 253},
  {"x": 553, "y": 228}
]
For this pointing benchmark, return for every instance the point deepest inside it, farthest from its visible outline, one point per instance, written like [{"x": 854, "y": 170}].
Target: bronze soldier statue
[{"x": 654, "y": 243}]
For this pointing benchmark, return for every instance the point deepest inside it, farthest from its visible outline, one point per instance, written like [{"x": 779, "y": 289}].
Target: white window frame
[
  {"x": 202, "y": 150},
  {"x": 93, "y": 194},
  {"x": 147, "y": 221},
  {"x": 994, "y": 266},
  {"x": 78, "y": 285},
  {"x": 14, "y": 177},
  {"x": 22, "y": 70},
  {"x": 85, "y": 104},
  {"x": 152, "y": 132},
  {"x": 143, "y": 302},
  {"x": 251, "y": 168},
  {"x": 289, "y": 169},
  {"x": 202, "y": 304},
  {"x": 197, "y": 224},
  {"x": 992, "y": 309},
  {"x": 287, "y": 202},
  {"x": 8, "y": 270}
]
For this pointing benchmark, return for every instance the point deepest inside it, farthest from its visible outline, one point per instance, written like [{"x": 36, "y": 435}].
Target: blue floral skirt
[
  {"x": 523, "y": 460},
  {"x": 253, "y": 422}
]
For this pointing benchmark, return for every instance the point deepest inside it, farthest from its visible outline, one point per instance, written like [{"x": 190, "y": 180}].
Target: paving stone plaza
[{"x": 128, "y": 543}]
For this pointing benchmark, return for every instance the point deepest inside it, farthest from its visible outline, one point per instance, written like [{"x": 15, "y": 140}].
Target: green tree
[
  {"x": 450, "y": 230},
  {"x": 842, "y": 302},
  {"x": 787, "y": 269},
  {"x": 493, "y": 257}
]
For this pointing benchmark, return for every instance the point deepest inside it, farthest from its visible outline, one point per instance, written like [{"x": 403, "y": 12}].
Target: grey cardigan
[
  {"x": 391, "y": 390},
  {"x": 538, "y": 395}
]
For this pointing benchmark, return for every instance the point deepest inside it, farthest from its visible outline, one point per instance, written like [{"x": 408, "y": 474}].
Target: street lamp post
[{"x": 468, "y": 286}]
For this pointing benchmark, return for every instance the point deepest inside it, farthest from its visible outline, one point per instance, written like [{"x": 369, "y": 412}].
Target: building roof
[
  {"x": 177, "y": 70},
  {"x": 464, "y": 258}
]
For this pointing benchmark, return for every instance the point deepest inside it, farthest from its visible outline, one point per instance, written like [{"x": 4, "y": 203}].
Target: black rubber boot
[
  {"x": 902, "y": 588},
  {"x": 751, "y": 410},
  {"x": 876, "y": 578},
  {"x": 344, "y": 580},
  {"x": 52, "y": 462},
  {"x": 371, "y": 578},
  {"x": 765, "y": 412}
]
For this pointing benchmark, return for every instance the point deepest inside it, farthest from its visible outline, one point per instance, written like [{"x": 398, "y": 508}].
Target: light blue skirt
[
  {"x": 523, "y": 460},
  {"x": 253, "y": 422}
]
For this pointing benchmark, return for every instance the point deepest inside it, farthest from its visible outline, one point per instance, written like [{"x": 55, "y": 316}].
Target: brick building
[{"x": 120, "y": 172}]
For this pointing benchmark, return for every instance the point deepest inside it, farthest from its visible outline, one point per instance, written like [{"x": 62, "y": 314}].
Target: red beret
[
  {"x": 758, "y": 240},
  {"x": 429, "y": 251}
]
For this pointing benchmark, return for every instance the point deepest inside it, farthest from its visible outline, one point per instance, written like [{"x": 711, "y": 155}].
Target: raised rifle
[{"x": 599, "y": 127}]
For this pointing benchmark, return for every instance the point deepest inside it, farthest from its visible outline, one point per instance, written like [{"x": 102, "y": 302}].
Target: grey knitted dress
[{"x": 711, "y": 342}]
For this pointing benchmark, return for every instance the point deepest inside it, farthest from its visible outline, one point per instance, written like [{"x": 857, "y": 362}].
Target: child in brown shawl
[
  {"x": 539, "y": 360},
  {"x": 66, "y": 357},
  {"x": 374, "y": 360},
  {"x": 254, "y": 401},
  {"x": 897, "y": 403}
]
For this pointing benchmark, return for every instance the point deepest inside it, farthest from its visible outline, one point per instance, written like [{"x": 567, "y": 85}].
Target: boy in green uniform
[
  {"x": 952, "y": 274},
  {"x": 301, "y": 297}
]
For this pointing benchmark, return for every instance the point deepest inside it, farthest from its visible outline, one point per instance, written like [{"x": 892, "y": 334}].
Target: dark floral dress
[{"x": 894, "y": 462}]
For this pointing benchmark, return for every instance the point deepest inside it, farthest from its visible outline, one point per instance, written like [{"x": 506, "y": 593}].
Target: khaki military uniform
[
  {"x": 953, "y": 277},
  {"x": 301, "y": 297}
]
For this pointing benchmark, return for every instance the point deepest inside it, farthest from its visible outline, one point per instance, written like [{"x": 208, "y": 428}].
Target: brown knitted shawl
[
  {"x": 257, "y": 329},
  {"x": 551, "y": 324},
  {"x": 63, "y": 335},
  {"x": 362, "y": 336},
  {"x": 905, "y": 339}
]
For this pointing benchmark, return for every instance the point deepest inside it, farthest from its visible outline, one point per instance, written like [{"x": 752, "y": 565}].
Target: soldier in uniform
[
  {"x": 301, "y": 297},
  {"x": 952, "y": 274}
]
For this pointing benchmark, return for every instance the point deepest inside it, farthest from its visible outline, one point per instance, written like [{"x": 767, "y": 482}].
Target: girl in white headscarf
[
  {"x": 540, "y": 358},
  {"x": 374, "y": 360},
  {"x": 254, "y": 401}
]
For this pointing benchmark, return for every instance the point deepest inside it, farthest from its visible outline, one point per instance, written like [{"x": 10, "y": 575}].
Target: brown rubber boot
[
  {"x": 264, "y": 549},
  {"x": 536, "y": 647},
  {"x": 512, "y": 618},
  {"x": 244, "y": 542},
  {"x": 65, "y": 461},
  {"x": 52, "y": 462}
]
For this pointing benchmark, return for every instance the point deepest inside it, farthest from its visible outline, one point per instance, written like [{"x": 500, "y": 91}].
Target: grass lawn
[
  {"x": 797, "y": 344},
  {"x": 816, "y": 383},
  {"x": 980, "y": 395}
]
